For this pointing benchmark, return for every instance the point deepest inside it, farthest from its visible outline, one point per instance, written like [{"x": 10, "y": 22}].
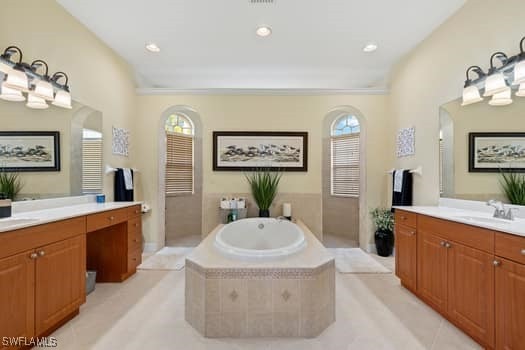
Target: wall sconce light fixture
[
  {"x": 495, "y": 82},
  {"x": 20, "y": 77}
]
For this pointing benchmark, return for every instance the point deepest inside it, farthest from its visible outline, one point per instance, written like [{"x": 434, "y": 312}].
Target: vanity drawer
[
  {"x": 134, "y": 234},
  {"x": 134, "y": 211},
  {"x": 135, "y": 225},
  {"x": 105, "y": 219},
  {"x": 134, "y": 259},
  {"x": 510, "y": 247},
  {"x": 406, "y": 218}
]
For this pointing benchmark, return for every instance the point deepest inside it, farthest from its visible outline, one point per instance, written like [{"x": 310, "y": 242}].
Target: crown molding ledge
[{"x": 168, "y": 91}]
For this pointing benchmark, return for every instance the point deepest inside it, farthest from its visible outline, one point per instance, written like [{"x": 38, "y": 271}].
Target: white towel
[
  {"x": 128, "y": 178},
  {"x": 398, "y": 180}
]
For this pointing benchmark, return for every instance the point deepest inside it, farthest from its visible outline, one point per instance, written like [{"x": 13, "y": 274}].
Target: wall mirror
[
  {"x": 473, "y": 174},
  {"x": 23, "y": 149}
]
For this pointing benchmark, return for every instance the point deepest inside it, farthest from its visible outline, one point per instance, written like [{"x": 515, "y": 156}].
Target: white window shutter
[
  {"x": 345, "y": 165},
  {"x": 91, "y": 165},
  {"x": 179, "y": 163}
]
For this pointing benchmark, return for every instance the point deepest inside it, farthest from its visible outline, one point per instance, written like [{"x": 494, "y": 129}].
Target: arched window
[
  {"x": 345, "y": 150},
  {"x": 179, "y": 154}
]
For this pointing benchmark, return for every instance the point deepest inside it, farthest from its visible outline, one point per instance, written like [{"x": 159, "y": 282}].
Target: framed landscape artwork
[
  {"x": 251, "y": 150},
  {"x": 491, "y": 151},
  {"x": 29, "y": 151}
]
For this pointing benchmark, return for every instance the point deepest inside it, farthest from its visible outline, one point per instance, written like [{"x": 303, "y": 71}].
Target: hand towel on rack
[
  {"x": 128, "y": 178},
  {"x": 398, "y": 180},
  {"x": 122, "y": 194},
  {"x": 403, "y": 197}
]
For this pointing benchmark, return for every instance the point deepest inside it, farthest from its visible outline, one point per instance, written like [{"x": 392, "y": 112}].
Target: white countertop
[
  {"x": 44, "y": 216},
  {"x": 470, "y": 217}
]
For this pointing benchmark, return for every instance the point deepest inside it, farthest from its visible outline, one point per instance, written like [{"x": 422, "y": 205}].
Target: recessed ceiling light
[
  {"x": 264, "y": 31},
  {"x": 370, "y": 47},
  {"x": 152, "y": 47}
]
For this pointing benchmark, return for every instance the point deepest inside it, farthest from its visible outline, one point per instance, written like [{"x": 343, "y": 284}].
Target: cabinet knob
[
  {"x": 136, "y": 225},
  {"x": 33, "y": 255},
  {"x": 496, "y": 263},
  {"x": 412, "y": 233},
  {"x": 403, "y": 218},
  {"x": 135, "y": 240},
  {"x": 442, "y": 243},
  {"x": 448, "y": 245},
  {"x": 523, "y": 252},
  {"x": 41, "y": 253},
  {"x": 111, "y": 218}
]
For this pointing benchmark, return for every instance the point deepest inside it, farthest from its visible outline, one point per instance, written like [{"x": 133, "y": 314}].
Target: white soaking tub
[{"x": 260, "y": 238}]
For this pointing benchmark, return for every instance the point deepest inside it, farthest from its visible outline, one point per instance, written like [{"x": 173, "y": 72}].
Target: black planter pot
[
  {"x": 264, "y": 213},
  {"x": 384, "y": 242}
]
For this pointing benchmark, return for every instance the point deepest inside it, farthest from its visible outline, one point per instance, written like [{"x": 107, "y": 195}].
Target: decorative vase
[
  {"x": 384, "y": 242},
  {"x": 264, "y": 213}
]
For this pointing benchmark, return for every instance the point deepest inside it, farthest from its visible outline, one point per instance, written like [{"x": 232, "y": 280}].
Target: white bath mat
[
  {"x": 355, "y": 260},
  {"x": 168, "y": 258}
]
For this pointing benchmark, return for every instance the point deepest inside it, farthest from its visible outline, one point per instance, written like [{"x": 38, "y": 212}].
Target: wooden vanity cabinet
[
  {"x": 43, "y": 267},
  {"x": 406, "y": 248},
  {"x": 114, "y": 243},
  {"x": 60, "y": 281},
  {"x": 510, "y": 292},
  {"x": 432, "y": 270},
  {"x": 17, "y": 296},
  {"x": 43, "y": 283},
  {"x": 455, "y": 272}
]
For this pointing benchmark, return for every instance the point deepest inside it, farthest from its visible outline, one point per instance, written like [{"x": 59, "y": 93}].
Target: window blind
[
  {"x": 345, "y": 165},
  {"x": 179, "y": 163},
  {"x": 91, "y": 165}
]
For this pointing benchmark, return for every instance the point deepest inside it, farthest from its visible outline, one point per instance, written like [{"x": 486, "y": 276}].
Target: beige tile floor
[{"x": 147, "y": 312}]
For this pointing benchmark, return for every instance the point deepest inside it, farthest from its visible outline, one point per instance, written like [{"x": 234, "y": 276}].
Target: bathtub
[{"x": 260, "y": 238}]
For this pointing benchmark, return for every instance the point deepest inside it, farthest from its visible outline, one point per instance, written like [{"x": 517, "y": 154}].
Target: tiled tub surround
[{"x": 290, "y": 297}]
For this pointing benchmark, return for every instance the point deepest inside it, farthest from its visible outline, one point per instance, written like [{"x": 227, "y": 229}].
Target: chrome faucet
[
  {"x": 281, "y": 218},
  {"x": 499, "y": 210}
]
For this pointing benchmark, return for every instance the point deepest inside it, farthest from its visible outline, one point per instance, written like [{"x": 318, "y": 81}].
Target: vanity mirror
[
  {"x": 73, "y": 149},
  {"x": 459, "y": 124}
]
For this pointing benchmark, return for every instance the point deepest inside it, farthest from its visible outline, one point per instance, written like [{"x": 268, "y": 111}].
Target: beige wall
[
  {"x": 230, "y": 112},
  {"x": 97, "y": 76},
  {"x": 434, "y": 72},
  {"x": 480, "y": 117}
]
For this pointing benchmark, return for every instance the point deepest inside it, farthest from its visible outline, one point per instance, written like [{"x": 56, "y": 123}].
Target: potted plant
[
  {"x": 263, "y": 184},
  {"x": 514, "y": 187},
  {"x": 10, "y": 184},
  {"x": 384, "y": 235}
]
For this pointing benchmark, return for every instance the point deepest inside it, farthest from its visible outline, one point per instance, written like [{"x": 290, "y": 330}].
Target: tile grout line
[{"x": 437, "y": 333}]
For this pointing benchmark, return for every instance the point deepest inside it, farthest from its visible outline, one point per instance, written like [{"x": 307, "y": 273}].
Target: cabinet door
[
  {"x": 432, "y": 270},
  {"x": 471, "y": 291},
  {"x": 406, "y": 263},
  {"x": 17, "y": 296},
  {"x": 510, "y": 305},
  {"x": 60, "y": 281}
]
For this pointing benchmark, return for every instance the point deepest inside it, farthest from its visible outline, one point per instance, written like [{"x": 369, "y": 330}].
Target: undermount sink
[
  {"x": 7, "y": 222},
  {"x": 485, "y": 220}
]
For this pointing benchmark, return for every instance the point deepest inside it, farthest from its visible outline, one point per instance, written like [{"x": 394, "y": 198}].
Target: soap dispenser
[{"x": 5, "y": 206}]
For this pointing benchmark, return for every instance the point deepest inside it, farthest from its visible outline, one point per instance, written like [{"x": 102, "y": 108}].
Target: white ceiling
[{"x": 211, "y": 44}]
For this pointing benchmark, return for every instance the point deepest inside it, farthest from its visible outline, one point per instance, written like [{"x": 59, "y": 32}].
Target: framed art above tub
[
  {"x": 251, "y": 150},
  {"x": 490, "y": 152},
  {"x": 29, "y": 151}
]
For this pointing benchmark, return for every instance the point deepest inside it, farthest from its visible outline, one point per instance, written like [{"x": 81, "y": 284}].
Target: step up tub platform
[{"x": 260, "y": 277}]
